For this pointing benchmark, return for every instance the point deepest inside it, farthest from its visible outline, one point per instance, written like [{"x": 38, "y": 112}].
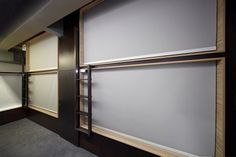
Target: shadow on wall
[{"x": 10, "y": 67}]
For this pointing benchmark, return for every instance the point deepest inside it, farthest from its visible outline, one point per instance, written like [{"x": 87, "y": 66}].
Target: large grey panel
[
  {"x": 171, "y": 105},
  {"x": 44, "y": 91},
  {"x": 10, "y": 92},
  {"x": 126, "y": 28}
]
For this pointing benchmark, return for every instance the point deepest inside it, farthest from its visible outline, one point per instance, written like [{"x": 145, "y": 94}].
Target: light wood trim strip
[
  {"x": 220, "y": 109},
  {"x": 27, "y": 60},
  {"x": 221, "y": 26},
  {"x": 43, "y": 110},
  {"x": 10, "y": 108},
  {"x": 159, "y": 63},
  {"x": 81, "y": 61},
  {"x": 90, "y": 5},
  {"x": 48, "y": 70}
]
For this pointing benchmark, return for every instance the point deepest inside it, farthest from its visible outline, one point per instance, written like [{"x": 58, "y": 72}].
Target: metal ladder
[
  {"x": 79, "y": 111},
  {"x": 25, "y": 89}
]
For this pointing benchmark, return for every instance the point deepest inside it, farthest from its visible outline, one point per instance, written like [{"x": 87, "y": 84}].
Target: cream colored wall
[
  {"x": 43, "y": 52},
  {"x": 10, "y": 92}
]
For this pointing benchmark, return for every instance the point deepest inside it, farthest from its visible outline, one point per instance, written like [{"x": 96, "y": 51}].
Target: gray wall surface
[
  {"x": 44, "y": 53},
  {"x": 6, "y": 56},
  {"x": 10, "y": 91},
  {"x": 44, "y": 91},
  {"x": 10, "y": 67},
  {"x": 125, "y": 28},
  {"x": 172, "y": 105}
]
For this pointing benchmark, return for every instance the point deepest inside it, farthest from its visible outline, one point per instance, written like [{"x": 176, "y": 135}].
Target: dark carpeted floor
[{"x": 25, "y": 138}]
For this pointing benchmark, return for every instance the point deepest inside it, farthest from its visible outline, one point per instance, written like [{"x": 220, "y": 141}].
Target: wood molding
[
  {"x": 190, "y": 52},
  {"x": 220, "y": 26},
  {"x": 10, "y": 108},
  {"x": 44, "y": 110},
  {"x": 90, "y": 5},
  {"x": 27, "y": 60},
  {"x": 158, "y": 63},
  {"x": 220, "y": 109},
  {"x": 81, "y": 61},
  {"x": 42, "y": 71}
]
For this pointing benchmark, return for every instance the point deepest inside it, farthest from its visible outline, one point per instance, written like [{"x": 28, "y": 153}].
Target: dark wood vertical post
[
  {"x": 230, "y": 78},
  {"x": 67, "y": 78}
]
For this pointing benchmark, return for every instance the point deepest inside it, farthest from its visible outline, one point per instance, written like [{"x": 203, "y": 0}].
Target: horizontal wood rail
[
  {"x": 11, "y": 73},
  {"x": 43, "y": 110},
  {"x": 41, "y": 72},
  {"x": 157, "y": 61}
]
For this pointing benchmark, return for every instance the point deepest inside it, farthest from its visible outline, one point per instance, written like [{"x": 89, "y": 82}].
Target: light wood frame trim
[
  {"x": 10, "y": 108},
  {"x": 27, "y": 60},
  {"x": 43, "y": 110},
  {"x": 220, "y": 109},
  {"x": 48, "y": 70},
  {"x": 220, "y": 87},
  {"x": 220, "y": 26}
]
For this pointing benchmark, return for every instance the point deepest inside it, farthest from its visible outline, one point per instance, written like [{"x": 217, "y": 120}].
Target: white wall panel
[
  {"x": 137, "y": 28},
  {"x": 171, "y": 105},
  {"x": 10, "y": 92},
  {"x": 43, "y": 91},
  {"x": 43, "y": 52}
]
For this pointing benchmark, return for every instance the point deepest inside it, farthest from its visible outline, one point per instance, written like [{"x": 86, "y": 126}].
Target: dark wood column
[
  {"x": 66, "y": 75},
  {"x": 230, "y": 78}
]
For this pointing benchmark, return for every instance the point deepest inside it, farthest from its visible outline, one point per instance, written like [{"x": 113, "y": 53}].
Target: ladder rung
[
  {"x": 83, "y": 113},
  {"x": 83, "y": 71},
  {"x": 82, "y": 79},
  {"x": 82, "y": 96},
  {"x": 86, "y": 131}
]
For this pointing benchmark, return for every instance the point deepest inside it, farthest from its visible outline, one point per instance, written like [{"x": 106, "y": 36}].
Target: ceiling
[
  {"x": 22, "y": 19},
  {"x": 15, "y": 12}
]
